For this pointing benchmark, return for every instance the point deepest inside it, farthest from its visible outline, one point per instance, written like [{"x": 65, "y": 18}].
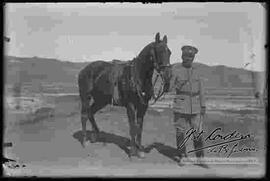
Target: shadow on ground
[
  {"x": 163, "y": 149},
  {"x": 104, "y": 137},
  {"x": 124, "y": 143}
]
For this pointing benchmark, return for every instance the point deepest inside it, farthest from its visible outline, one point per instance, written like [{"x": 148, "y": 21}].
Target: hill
[
  {"x": 36, "y": 71},
  {"x": 225, "y": 77}
]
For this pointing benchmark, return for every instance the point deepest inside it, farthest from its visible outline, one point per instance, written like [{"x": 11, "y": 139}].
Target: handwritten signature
[
  {"x": 220, "y": 147},
  {"x": 229, "y": 150}
]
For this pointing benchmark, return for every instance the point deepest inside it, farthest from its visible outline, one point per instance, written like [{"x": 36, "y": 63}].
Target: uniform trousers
[{"x": 183, "y": 123}]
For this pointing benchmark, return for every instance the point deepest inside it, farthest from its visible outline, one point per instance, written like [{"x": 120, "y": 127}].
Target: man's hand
[
  {"x": 167, "y": 76},
  {"x": 203, "y": 110},
  {"x": 166, "y": 87}
]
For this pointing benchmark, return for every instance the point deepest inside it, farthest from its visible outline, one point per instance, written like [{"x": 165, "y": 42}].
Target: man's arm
[{"x": 202, "y": 93}]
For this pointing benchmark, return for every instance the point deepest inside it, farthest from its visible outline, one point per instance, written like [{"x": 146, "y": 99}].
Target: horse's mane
[
  {"x": 136, "y": 58},
  {"x": 146, "y": 49}
]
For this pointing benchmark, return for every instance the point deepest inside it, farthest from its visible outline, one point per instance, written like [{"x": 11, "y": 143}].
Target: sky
[{"x": 224, "y": 33}]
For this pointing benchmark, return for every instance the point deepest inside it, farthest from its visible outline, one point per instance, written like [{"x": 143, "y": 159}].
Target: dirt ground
[{"x": 50, "y": 145}]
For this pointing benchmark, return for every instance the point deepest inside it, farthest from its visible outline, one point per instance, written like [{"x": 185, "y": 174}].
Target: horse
[{"x": 133, "y": 80}]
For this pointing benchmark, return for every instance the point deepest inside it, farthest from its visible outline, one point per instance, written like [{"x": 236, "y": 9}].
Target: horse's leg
[
  {"x": 140, "y": 115},
  {"x": 97, "y": 105},
  {"x": 132, "y": 129},
  {"x": 85, "y": 87},
  {"x": 84, "y": 118}
]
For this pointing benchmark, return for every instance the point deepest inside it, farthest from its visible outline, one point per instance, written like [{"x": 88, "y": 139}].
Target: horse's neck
[
  {"x": 144, "y": 70},
  {"x": 143, "y": 65}
]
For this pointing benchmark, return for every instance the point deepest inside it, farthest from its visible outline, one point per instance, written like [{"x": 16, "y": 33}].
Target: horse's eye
[{"x": 167, "y": 50}]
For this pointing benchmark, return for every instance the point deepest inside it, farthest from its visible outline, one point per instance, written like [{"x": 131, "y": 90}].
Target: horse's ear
[
  {"x": 165, "y": 39},
  {"x": 157, "y": 37}
]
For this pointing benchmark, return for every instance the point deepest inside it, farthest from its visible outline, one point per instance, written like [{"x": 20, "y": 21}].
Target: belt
[{"x": 187, "y": 93}]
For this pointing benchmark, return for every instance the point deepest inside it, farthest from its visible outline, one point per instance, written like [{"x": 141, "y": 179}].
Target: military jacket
[{"x": 188, "y": 91}]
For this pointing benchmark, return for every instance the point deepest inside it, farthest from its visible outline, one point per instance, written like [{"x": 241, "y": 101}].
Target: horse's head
[{"x": 160, "y": 55}]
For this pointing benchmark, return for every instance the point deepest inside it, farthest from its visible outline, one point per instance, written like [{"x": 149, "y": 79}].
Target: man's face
[{"x": 187, "y": 60}]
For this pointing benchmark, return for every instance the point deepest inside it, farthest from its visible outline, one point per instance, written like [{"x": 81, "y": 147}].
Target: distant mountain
[
  {"x": 41, "y": 69},
  {"x": 223, "y": 76},
  {"x": 47, "y": 71}
]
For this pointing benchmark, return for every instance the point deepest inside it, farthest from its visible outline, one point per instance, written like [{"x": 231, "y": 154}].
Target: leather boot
[
  {"x": 199, "y": 154},
  {"x": 181, "y": 149}
]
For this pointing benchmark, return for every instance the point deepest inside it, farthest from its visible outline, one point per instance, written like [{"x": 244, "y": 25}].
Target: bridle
[
  {"x": 161, "y": 91},
  {"x": 158, "y": 69}
]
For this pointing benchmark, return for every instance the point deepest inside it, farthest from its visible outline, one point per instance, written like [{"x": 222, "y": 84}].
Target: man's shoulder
[
  {"x": 196, "y": 71},
  {"x": 195, "y": 67},
  {"x": 179, "y": 71}
]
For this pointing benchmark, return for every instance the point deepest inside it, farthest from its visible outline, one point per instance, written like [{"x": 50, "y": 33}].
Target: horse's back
[
  {"x": 88, "y": 74},
  {"x": 94, "y": 67},
  {"x": 98, "y": 76}
]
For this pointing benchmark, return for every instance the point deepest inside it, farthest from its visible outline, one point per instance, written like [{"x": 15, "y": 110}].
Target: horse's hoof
[
  {"x": 136, "y": 153},
  {"x": 85, "y": 144},
  {"x": 141, "y": 154},
  {"x": 133, "y": 152},
  {"x": 93, "y": 137},
  {"x": 92, "y": 141},
  {"x": 83, "y": 141}
]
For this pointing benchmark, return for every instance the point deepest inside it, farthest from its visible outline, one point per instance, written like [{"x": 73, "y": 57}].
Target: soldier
[{"x": 189, "y": 103}]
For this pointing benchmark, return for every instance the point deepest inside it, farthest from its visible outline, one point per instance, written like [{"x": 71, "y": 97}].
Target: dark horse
[{"x": 134, "y": 82}]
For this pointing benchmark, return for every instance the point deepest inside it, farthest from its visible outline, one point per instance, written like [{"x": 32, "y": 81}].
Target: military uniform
[{"x": 187, "y": 103}]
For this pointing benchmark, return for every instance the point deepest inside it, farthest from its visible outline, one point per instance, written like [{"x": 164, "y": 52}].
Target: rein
[
  {"x": 139, "y": 90},
  {"x": 160, "y": 91},
  {"x": 138, "y": 84}
]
